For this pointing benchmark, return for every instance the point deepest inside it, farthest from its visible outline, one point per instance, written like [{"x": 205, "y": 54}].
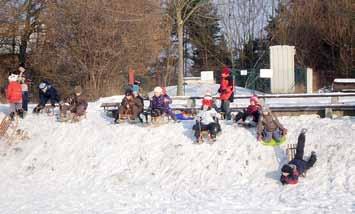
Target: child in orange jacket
[{"x": 14, "y": 96}]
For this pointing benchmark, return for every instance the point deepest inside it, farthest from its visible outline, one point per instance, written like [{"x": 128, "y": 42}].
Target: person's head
[
  {"x": 137, "y": 82},
  {"x": 286, "y": 170},
  {"x": 21, "y": 69},
  {"x": 13, "y": 77},
  {"x": 43, "y": 87},
  {"x": 254, "y": 100},
  {"x": 207, "y": 101},
  {"x": 265, "y": 110},
  {"x": 129, "y": 94},
  {"x": 225, "y": 72},
  {"x": 78, "y": 90},
  {"x": 158, "y": 91}
]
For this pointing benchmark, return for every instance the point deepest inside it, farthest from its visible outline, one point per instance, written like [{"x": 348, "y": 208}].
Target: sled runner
[
  {"x": 291, "y": 151},
  {"x": 205, "y": 136}
]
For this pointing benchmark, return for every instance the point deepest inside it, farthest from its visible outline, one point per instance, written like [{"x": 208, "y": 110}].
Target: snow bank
[{"x": 96, "y": 167}]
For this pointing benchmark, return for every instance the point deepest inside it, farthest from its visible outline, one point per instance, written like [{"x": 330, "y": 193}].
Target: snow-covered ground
[{"x": 96, "y": 167}]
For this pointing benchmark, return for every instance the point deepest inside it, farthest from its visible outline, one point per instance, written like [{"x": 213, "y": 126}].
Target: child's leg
[
  {"x": 312, "y": 160},
  {"x": 267, "y": 136},
  {"x": 300, "y": 146},
  {"x": 277, "y": 135}
]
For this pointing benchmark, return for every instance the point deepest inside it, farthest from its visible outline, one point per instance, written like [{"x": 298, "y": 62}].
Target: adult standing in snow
[
  {"x": 297, "y": 166},
  {"x": 253, "y": 110},
  {"x": 14, "y": 96},
  {"x": 226, "y": 91},
  {"x": 207, "y": 120},
  {"x": 269, "y": 127},
  {"x": 160, "y": 104},
  {"x": 24, "y": 85},
  {"x": 46, "y": 93}
]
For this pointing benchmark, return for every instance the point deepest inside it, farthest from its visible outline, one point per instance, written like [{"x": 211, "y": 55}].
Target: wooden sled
[{"x": 291, "y": 151}]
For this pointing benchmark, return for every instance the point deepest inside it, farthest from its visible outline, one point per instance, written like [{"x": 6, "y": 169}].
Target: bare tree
[{"x": 180, "y": 12}]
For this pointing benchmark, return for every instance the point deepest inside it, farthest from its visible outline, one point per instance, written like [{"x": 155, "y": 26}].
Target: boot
[{"x": 12, "y": 116}]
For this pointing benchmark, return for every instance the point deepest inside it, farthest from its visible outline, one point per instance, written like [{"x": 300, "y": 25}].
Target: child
[
  {"x": 46, "y": 93},
  {"x": 269, "y": 127},
  {"x": 24, "y": 84},
  {"x": 14, "y": 96},
  {"x": 130, "y": 105},
  {"x": 207, "y": 120},
  {"x": 297, "y": 166},
  {"x": 226, "y": 91},
  {"x": 253, "y": 111},
  {"x": 76, "y": 104},
  {"x": 160, "y": 104}
]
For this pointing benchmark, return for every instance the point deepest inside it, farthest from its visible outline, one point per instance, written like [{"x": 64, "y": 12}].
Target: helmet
[
  {"x": 42, "y": 85},
  {"x": 13, "y": 77},
  {"x": 158, "y": 89}
]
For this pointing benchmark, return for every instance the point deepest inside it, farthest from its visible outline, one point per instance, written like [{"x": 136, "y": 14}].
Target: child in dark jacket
[
  {"x": 46, "y": 93},
  {"x": 253, "y": 111},
  {"x": 160, "y": 104},
  {"x": 297, "y": 166}
]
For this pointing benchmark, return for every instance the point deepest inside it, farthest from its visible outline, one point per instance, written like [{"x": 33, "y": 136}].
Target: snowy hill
[{"x": 96, "y": 167}]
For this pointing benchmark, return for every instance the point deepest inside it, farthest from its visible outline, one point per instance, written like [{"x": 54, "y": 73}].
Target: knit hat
[
  {"x": 13, "y": 78},
  {"x": 158, "y": 89},
  {"x": 226, "y": 71},
  {"x": 128, "y": 92},
  {"x": 254, "y": 98},
  {"x": 207, "y": 102}
]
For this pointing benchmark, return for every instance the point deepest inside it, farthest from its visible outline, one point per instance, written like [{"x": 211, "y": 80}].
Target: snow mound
[{"x": 96, "y": 167}]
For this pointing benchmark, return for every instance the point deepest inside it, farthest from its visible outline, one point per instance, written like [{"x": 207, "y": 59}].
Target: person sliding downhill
[
  {"x": 297, "y": 166},
  {"x": 207, "y": 120},
  {"x": 269, "y": 127}
]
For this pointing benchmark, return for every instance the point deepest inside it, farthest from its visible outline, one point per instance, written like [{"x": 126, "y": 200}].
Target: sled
[
  {"x": 291, "y": 151},
  {"x": 205, "y": 137},
  {"x": 9, "y": 131},
  {"x": 274, "y": 143},
  {"x": 159, "y": 120}
]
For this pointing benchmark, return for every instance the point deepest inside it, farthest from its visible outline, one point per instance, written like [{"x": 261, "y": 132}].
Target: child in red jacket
[
  {"x": 253, "y": 111},
  {"x": 14, "y": 96}
]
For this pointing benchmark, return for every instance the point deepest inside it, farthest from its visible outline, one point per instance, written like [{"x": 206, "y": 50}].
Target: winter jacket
[
  {"x": 162, "y": 103},
  {"x": 76, "y": 103},
  {"x": 268, "y": 123},
  {"x": 226, "y": 89},
  {"x": 51, "y": 94},
  {"x": 253, "y": 108},
  {"x": 208, "y": 116},
  {"x": 14, "y": 92},
  {"x": 135, "y": 104}
]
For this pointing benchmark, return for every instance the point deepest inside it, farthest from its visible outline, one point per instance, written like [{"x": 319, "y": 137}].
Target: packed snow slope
[{"x": 96, "y": 167}]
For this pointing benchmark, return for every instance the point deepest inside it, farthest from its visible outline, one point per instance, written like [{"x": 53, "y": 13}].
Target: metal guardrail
[{"x": 315, "y": 95}]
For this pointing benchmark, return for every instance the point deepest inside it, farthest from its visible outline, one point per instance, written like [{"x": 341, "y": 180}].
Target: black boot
[
  {"x": 12, "y": 116},
  {"x": 20, "y": 113}
]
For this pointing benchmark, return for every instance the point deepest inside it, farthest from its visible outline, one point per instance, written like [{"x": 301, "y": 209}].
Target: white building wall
[{"x": 282, "y": 62}]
